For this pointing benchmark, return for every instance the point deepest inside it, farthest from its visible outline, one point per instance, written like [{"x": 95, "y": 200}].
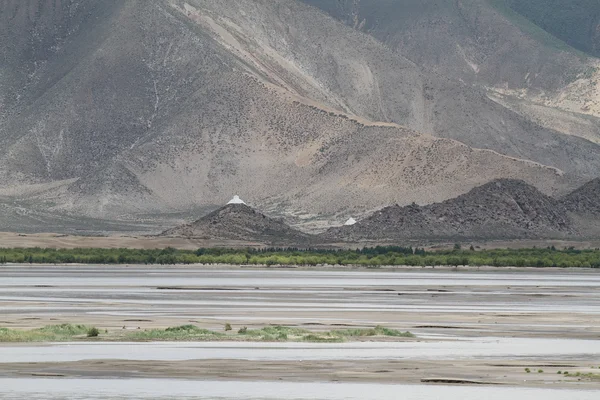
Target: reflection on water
[{"x": 91, "y": 389}]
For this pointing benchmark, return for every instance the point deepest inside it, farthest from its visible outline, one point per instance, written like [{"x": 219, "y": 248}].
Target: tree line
[{"x": 369, "y": 256}]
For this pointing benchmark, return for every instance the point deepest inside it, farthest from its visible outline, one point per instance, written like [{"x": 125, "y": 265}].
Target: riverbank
[{"x": 476, "y": 328}]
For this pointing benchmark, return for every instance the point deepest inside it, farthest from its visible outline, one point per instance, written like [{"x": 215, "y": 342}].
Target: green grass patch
[
  {"x": 274, "y": 333},
  {"x": 52, "y": 333},
  {"x": 589, "y": 376},
  {"x": 322, "y": 338},
  {"x": 183, "y": 333},
  {"x": 369, "y": 332}
]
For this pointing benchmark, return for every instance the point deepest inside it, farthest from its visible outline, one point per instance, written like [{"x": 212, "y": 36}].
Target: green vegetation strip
[
  {"x": 369, "y": 257},
  {"x": 69, "y": 333}
]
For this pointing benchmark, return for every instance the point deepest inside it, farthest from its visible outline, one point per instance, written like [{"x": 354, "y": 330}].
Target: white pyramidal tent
[
  {"x": 350, "y": 222},
  {"x": 236, "y": 200}
]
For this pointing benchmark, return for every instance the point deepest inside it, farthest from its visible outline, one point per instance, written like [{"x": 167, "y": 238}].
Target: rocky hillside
[
  {"x": 240, "y": 222},
  {"x": 503, "y": 209},
  {"x": 132, "y": 111},
  {"x": 583, "y": 206},
  {"x": 585, "y": 200}
]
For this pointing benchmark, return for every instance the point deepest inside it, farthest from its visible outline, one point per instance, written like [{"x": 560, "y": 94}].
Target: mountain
[
  {"x": 583, "y": 206},
  {"x": 240, "y": 222},
  {"x": 575, "y": 22},
  {"x": 496, "y": 42},
  {"x": 519, "y": 49},
  {"x": 138, "y": 112},
  {"x": 585, "y": 200},
  {"x": 502, "y": 209}
]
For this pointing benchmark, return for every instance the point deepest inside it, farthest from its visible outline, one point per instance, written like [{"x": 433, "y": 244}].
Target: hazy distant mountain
[
  {"x": 134, "y": 110},
  {"x": 576, "y": 22}
]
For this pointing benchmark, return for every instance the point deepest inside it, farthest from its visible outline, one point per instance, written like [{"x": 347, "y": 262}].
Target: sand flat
[{"x": 473, "y": 327}]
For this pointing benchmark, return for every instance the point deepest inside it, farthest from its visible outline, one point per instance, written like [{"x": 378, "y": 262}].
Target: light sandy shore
[{"x": 481, "y": 372}]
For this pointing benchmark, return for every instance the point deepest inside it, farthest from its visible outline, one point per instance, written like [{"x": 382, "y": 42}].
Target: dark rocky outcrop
[
  {"x": 585, "y": 200},
  {"x": 583, "y": 206},
  {"x": 502, "y": 209},
  {"x": 241, "y": 222}
]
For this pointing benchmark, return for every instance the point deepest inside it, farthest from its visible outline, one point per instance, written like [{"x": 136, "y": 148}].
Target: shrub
[
  {"x": 243, "y": 330},
  {"x": 93, "y": 332},
  {"x": 182, "y": 328},
  {"x": 227, "y": 327}
]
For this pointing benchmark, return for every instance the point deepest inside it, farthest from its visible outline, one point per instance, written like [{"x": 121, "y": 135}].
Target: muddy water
[
  {"x": 89, "y": 389},
  {"x": 480, "y": 348},
  {"x": 276, "y": 296}
]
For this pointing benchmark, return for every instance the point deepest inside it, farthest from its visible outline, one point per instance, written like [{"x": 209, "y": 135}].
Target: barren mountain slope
[
  {"x": 360, "y": 75},
  {"x": 497, "y": 44},
  {"x": 503, "y": 209},
  {"x": 576, "y": 22},
  {"x": 240, "y": 222},
  {"x": 484, "y": 41},
  {"x": 165, "y": 105}
]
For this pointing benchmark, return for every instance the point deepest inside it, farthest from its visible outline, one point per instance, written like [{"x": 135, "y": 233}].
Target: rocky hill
[
  {"x": 585, "y": 200},
  {"x": 583, "y": 206},
  {"x": 131, "y": 111},
  {"x": 502, "y": 209},
  {"x": 241, "y": 222}
]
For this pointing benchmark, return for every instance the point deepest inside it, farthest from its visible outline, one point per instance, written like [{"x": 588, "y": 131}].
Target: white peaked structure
[
  {"x": 350, "y": 222},
  {"x": 236, "y": 200}
]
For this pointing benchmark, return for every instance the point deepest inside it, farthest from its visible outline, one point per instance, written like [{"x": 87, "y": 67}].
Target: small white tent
[
  {"x": 350, "y": 222},
  {"x": 236, "y": 200}
]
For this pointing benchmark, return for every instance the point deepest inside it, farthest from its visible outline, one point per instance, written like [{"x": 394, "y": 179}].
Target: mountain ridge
[
  {"x": 163, "y": 107},
  {"x": 502, "y": 209}
]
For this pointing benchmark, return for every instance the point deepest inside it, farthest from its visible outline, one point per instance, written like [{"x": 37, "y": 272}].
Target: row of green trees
[{"x": 377, "y": 256}]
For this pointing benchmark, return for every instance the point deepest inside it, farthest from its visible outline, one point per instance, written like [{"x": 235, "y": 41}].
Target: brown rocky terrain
[
  {"x": 501, "y": 209},
  {"x": 240, "y": 222},
  {"x": 585, "y": 200},
  {"x": 583, "y": 206}
]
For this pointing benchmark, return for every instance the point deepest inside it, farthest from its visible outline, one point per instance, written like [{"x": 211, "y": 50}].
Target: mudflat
[{"x": 487, "y": 327}]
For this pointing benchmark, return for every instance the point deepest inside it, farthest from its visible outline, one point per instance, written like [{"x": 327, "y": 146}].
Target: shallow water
[
  {"x": 289, "y": 295},
  {"x": 99, "y": 389},
  {"x": 480, "y": 348},
  {"x": 136, "y": 276}
]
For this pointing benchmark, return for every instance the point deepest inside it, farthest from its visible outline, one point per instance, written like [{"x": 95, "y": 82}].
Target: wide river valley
[{"x": 480, "y": 334}]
